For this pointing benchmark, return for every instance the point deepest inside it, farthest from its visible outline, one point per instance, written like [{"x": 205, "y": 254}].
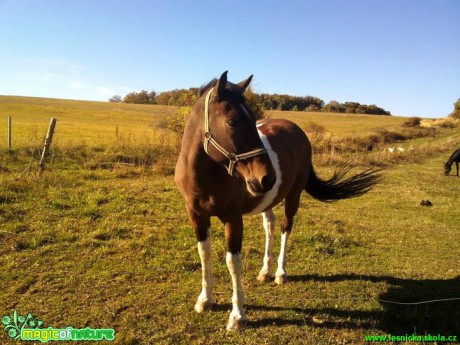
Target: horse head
[
  {"x": 447, "y": 168},
  {"x": 231, "y": 137}
]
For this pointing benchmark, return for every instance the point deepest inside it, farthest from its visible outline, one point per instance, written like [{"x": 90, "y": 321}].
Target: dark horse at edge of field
[
  {"x": 231, "y": 165},
  {"x": 454, "y": 157}
]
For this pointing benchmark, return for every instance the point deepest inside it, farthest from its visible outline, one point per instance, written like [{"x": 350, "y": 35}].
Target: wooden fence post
[
  {"x": 48, "y": 139},
  {"x": 9, "y": 133}
]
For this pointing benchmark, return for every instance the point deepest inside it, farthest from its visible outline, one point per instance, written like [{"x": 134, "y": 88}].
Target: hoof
[
  {"x": 264, "y": 277},
  {"x": 203, "y": 306},
  {"x": 236, "y": 325},
  {"x": 283, "y": 279}
]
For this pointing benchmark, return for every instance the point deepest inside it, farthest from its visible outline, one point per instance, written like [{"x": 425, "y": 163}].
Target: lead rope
[{"x": 232, "y": 157}]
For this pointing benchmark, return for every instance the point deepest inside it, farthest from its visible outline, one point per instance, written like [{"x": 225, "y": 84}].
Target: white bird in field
[{"x": 391, "y": 149}]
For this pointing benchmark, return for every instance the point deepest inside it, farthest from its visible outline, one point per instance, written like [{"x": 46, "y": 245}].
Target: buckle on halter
[
  {"x": 207, "y": 135},
  {"x": 232, "y": 157}
]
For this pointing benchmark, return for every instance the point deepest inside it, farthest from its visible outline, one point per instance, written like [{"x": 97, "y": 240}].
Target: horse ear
[
  {"x": 245, "y": 83},
  {"x": 221, "y": 85}
]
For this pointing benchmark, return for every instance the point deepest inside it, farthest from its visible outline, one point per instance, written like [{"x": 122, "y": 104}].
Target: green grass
[{"x": 109, "y": 245}]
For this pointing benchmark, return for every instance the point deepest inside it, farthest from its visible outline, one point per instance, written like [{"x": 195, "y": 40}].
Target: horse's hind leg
[
  {"x": 269, "y": 226},
  {"x": 202, "y": 227},
  {"x": 290, "y": 209}
]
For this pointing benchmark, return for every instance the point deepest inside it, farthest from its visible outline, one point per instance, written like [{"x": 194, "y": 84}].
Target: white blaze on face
[{"x": 272, "y": 193}]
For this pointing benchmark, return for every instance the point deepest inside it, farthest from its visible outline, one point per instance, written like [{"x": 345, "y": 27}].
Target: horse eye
[{"x": 232, "y": 122}]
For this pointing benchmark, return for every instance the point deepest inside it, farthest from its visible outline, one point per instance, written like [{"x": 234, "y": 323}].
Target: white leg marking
[
  {"x": 205, "y": 300},
  {"x": 237, "y": 318},
  {"x": 269, "y": 226},
  {"x": 281, "y": 271},
  {"x": 272, "y": 193}
]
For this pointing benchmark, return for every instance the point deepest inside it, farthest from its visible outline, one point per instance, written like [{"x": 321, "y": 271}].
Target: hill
[{"x": 87, "y": 121}]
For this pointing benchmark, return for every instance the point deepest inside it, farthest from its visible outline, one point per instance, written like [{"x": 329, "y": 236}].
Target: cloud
[
  {"x": 59, "y": 79},
  {"x": 104, "y": 91}
]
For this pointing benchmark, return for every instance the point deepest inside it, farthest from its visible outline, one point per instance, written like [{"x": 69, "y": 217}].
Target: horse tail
[{"x": 337, "y": 188}]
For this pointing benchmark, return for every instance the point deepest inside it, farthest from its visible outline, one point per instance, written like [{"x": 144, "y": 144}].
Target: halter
[{"x": 233, "y": 158}]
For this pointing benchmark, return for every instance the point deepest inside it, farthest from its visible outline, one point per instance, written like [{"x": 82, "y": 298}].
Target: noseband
[{"x": 233, "y": 158}]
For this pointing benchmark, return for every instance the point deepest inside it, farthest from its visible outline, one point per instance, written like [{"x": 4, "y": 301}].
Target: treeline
[
  {"x": 354, "y": 108},
  {"x": 264, "y": 101},
  {"x": 179, "y": 97}
]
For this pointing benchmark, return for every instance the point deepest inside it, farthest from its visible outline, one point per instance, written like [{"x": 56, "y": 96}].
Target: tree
[
  {"x": 164, "y": 97},
  {"x": 332, "y": 107},
  {"x": 354, "y": 108},
  {"x": 258, "y": 102},
  {"x": 142, "y": 97},
  {"x": 181, "y": 97},
  {"x": 115, "y": 99},
  {"x": 456, "y": 112},
  {"x": 152, "y": 97},
  {"x": 312, "y": 107},
  {"x": 253, "y": 102}
]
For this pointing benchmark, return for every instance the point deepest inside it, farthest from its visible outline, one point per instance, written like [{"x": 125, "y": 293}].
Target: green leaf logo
[{"x": 15, "y": 325}]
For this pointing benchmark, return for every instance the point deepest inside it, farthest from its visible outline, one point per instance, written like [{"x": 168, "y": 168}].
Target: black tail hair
[{"x": 336, "y": 188}]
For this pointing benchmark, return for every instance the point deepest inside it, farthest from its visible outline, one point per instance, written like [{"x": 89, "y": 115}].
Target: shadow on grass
[{"x": 437, "y": 317}]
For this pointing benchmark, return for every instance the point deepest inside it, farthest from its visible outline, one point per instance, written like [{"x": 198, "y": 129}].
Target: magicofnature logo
[{"x": 19, "y": 327}]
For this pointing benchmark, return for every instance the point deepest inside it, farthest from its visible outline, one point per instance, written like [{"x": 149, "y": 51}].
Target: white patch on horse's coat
[
  {"x": 205, "y": 298},
  {"x": 269, "y": 226},
  {"x": 235, "y": 265},
  {"x": 272, "y": 193}
]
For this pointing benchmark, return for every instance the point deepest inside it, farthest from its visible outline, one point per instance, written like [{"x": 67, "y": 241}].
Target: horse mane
[{"x": 207, "y": 86}]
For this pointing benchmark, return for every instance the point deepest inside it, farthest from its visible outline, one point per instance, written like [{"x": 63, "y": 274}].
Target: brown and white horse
[{"x": 229, "y": 166}]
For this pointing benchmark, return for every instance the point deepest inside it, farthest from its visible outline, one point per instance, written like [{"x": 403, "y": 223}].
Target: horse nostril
[{"x": 267, "y": 182}]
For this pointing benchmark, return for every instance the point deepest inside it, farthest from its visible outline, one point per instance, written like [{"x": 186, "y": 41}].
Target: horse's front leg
[
  {"x": 202, "y": 227},
  {"x": 269, "y": 226},
  {"x": 234, "y": 237}
]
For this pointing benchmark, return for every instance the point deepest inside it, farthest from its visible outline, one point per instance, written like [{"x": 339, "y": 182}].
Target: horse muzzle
[{"x": 257, "y": 187}]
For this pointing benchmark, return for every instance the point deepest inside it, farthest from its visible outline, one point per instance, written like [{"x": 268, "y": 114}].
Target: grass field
[
  {"x": 341, "y": 124},
  {"x": 101, "y": 238}
]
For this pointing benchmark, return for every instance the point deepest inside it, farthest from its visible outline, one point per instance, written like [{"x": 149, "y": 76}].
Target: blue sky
[{"x": 402, "y": 55}]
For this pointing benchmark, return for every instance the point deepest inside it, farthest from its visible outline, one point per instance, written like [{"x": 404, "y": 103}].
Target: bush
[
  {"x": 456, "y": 113},
  {"x": 412, "y": 122},
  {"x": 448, "y": 124},
  {"x": 390, "y": 136},
  {"x": 176, "y": 123}
]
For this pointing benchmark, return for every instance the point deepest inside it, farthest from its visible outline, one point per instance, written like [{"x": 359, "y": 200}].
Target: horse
[
  {"x": 454, "y": 157},
  {"x": 231, "y": 165}
]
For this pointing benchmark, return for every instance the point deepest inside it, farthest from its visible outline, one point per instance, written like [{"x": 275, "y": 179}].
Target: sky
[{"x": 402, "y": 55}]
